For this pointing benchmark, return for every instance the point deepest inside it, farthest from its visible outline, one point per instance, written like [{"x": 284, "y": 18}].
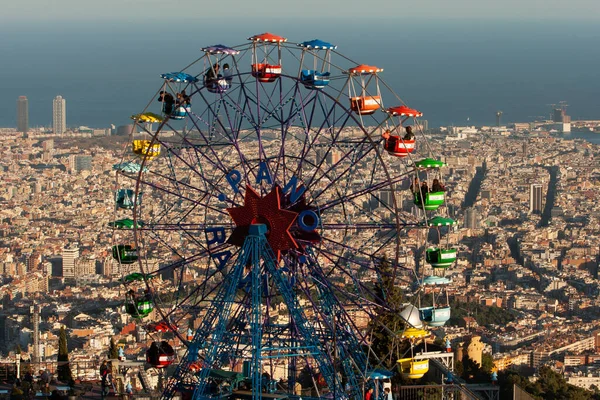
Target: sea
[
  {"x": 590, "y": 137},
  {"x": 457, "y": 72}
]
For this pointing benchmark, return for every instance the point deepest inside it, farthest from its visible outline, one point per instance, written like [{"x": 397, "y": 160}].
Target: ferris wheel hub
[{"x": 268, "y": 212}]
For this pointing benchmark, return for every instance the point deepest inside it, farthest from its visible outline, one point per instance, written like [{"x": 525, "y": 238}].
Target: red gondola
[
  {"x": 196, "y": 366},
  {"x": 261, "y": 68},
  {"x": 266, "y": 72},
  {"x": 160, "y": 355},
  {"x": 398, "y": 147},
  {"x": 161, "y": 327},
  {"x": 404, "y": 111}
]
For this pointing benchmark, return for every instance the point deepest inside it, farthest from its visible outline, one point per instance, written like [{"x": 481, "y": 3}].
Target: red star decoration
[{"x": 266, "y": 210}]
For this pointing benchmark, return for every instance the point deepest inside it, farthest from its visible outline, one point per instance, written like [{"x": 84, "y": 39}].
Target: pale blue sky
[{"x": 140, "y": 10}]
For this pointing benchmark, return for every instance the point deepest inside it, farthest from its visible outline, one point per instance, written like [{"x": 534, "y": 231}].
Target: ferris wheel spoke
[
  {"x": 297, "y": 110},
  {"x": 344, "y": 119},
  {"x": 358, "y": 226},
  {"x": 353, "y": 250},
  {"x": 180, "y": 196},
  {"x": 236, "y": 139},
  {"x": 191, "y": 168},
  {"x": 337, "y": 268},
  {"x": 203, "y": 290},
  {"x": 375, "y": 187},
  {"x": 306, "y": 127},
  {"x": 308, "y": 142},
  {"x": 186, "y": 262},
  {"x": 215, "y": 117},
  {"x": 363, "y": 293},
  {"x": 358, "y": 154},
  {"x": 322, "y": 281},
  {"x": 189, "y": 227}
]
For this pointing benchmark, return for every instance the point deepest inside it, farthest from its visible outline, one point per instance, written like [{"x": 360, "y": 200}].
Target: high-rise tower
[
  {"x": 69, "y": 255},
  {"x": 22, "y": 114},
  {"x": 471, "y": 218},
  {"x": 35, "y": 316},
  {"x": 59, "y": 115},
  {"x": 535, "y": 198}
]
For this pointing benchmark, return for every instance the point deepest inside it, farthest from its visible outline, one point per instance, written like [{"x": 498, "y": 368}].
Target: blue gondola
[
  {"x": 434, "y": 316},
  {"x": 126, "y": 198},
  {"x": 313, "y": 78},
  {"x": 179, "y": 110}
]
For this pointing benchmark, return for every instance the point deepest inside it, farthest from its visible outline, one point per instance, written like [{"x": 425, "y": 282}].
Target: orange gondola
[{"x": 361, "y": 102}]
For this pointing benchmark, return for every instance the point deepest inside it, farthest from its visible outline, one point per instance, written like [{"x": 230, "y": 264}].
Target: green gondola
[
  {"x": 432, "y": 200},
  {"x": 440, "y": 221},
  {"x": 126, "y": 223},
  {"x": 124, "y": 254},
  {"x": 137, "y": 277},
  {"x": 440, "y": 258},
  {"x": 429, "y": 163},
  {"x": 139, "y": 308}
]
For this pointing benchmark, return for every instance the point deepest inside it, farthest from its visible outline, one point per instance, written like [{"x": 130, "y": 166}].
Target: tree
[
  {"x": 487, "y": 363},
  {"x": 386, "y": 327},
  {"x": 113, "y": 352},
  {"x": 550, "y": 385},
  {"x": 63, "y": 369}
]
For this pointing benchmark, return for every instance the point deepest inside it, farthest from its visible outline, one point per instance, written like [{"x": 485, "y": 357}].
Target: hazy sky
[{"x": 140, "y": 10}]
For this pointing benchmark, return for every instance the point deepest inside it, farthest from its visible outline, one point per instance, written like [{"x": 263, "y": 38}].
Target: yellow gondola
[
  {"x": 414, "y": 333},
  {"x": 409, "y": 367},
  {"x": 413, "y": 369},
  {"x": 144, "y": 148}
]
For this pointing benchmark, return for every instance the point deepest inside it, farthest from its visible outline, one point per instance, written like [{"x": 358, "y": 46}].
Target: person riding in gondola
[
  {"x": 153, "y": 353},
  {"x": 390, "y": 140},
  {"x": 132, "y": 295},
  {"x": 436, "y": 186},
  {"x": 424, "y": 188},
  {"x": 227, "y": 73},
  {"x": 409, "y": 134},
  {"x": 414, "y": 187},
  {"x": 183, "y": 99},
  {"x": 168, "y": 101},
  {"x": 147, "y": 295},
  {"x": 211, "y": 75}
]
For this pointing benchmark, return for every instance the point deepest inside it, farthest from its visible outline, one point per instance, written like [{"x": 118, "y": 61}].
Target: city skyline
[{"x": 459, "y": 72}]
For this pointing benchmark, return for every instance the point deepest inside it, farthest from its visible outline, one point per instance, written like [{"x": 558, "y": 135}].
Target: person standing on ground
[{"x": 387, "y": 394}]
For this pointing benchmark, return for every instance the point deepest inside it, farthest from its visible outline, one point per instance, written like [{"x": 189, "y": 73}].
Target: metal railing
[{"x": 435, "y": 392}]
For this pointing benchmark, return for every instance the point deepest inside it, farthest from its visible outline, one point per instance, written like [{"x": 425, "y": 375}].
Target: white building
[
  {"x": 59, "y": 115},
  {"x": 69, "y": 255}
]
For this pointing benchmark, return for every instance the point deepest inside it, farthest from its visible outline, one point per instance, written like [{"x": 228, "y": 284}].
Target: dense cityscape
[{"x": 524, "y": 288}]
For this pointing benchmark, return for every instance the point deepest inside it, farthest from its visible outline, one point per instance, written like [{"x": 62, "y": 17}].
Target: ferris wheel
[{"x": 255, "y": 209}]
